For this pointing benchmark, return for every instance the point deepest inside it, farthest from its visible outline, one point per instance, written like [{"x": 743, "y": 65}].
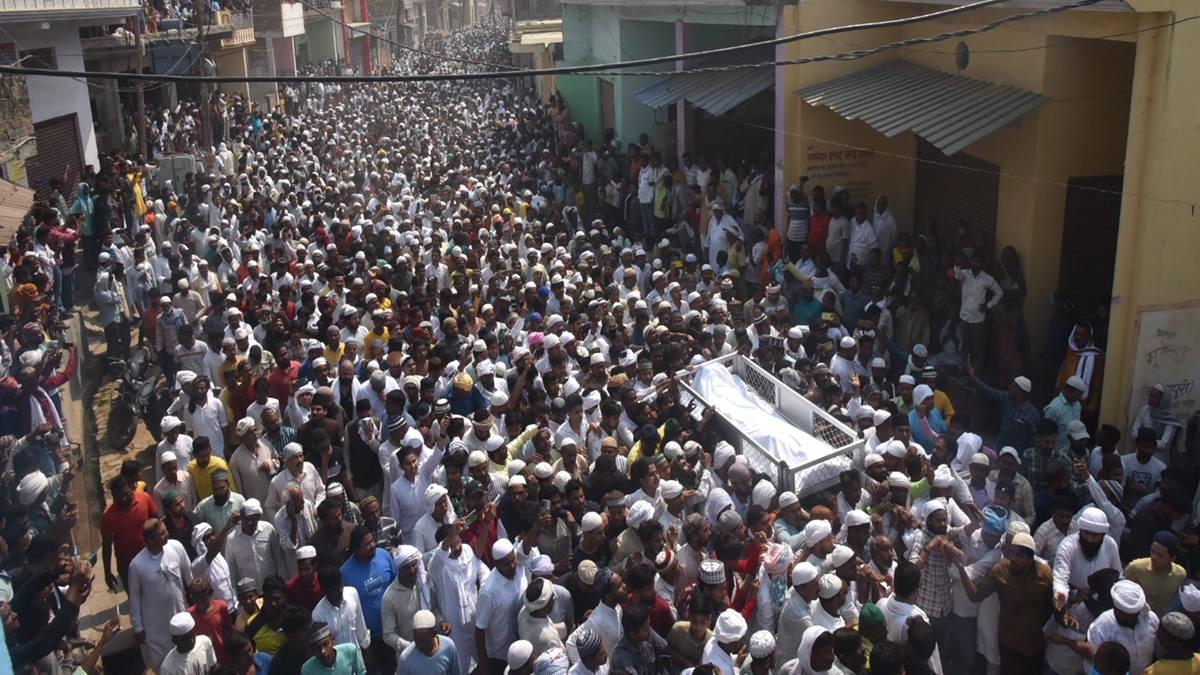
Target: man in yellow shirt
[
  {"x": 1159, "y": 576},
  {"x": 1175, "y": 633}
]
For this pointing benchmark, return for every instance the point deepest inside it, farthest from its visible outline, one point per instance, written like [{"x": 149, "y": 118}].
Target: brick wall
[{"x": 16, "y": 120}]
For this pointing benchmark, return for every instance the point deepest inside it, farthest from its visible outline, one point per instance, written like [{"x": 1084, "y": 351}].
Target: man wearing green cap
[
  {"x": 871, "y": 626},
  {"x": 180, "y": 523}
]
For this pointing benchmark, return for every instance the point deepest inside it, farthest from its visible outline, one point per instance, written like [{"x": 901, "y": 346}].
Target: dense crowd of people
[{"x": 424, "y": 343}]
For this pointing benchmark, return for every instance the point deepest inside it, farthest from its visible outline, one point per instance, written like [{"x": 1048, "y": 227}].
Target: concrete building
[
  {"x": 659, "y": 105},
  {"x": 45, "y": 34},
  {"x": 1070, "y": 137}
]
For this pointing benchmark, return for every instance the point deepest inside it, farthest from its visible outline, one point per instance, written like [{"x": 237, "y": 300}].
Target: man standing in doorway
[{"x": 975, "y": 304}]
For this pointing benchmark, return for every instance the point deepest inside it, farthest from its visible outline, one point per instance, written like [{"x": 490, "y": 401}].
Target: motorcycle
[{"x": 136, "y": 397}]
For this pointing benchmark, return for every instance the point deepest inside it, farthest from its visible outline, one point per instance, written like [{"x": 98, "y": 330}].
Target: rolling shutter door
[
  {"x": 961, "y": 187},
  {"x": 1091, "y": 222},
  {"x": 57, "y": 146}
]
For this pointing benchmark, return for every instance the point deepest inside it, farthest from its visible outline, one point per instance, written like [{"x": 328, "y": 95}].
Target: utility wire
[{"x": 614, "y": 68}]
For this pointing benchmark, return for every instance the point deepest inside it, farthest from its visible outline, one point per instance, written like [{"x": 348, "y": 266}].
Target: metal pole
[
  {"x": 205, "y": 112},
  {"x": 141, "y": 89}
]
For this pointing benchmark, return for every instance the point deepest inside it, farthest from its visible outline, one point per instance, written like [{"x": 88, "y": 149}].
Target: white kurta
[
  {"x": 257, "y": 556},
  {"x": 252, "y": 482},
  {"x": 309, "y": 482},
  {"x": 456, "y": 582},
  {"x": 158, "y": 591}
]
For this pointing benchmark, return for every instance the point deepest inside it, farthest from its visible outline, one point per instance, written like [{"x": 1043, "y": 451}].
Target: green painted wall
[{"x": 583, "y": 95}]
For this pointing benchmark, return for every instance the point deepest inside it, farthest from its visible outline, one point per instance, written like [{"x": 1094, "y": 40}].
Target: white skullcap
[
  {"x": 723, "y": 454},
  {"x": 1093, "y": 520},
  {"x": 560, "y": 481},
  {"x": 848, "y": 342},
  {"x": 1128, "y": 597},
  {"x": 252, "y": 507},
  {"x": 1189, "y": 597},
  {"x": 169, "y": 422},
  {"x": 639, "y": 513},
  {"x": 841, "y": 555},
  {"x": 519, "y": 653},
  {"x": 306, "y": 552},
  {"x": 476, "y": 458},
  {"x": 501, "y": 549},
  {"x": 493, "y": 443},
  {"x": 803, "y": 573},
  {"x": 591, "y": 521},
  {"x": 167, "y": 456},
  {"x": 816, "y": 530},
  {"x": 1076, "y": 382},
  {"x": 291, "y": 450},
  {"x": 787, "y": 498},
  {"x": 731, "y": 627},
  {"x": 31, "y": 487},
  {"x": 762, "y": 494},
  {"x": 762, "y": 645},
  {"x": 499, "y": 398},
  {"x": 831, "y": 585},
  {"x": 897, "y": 479},
  {"x": 673, "y": 450},
  {"x": 670, "y": 489},
  {"x": 856, "y": 517},
  {"x": 182, "y": 624},
  {"x": 931, "y": 507},
  {"x": 907, "y": 379},
  {"x": 942, "y": 477},
  {"x": 872, "y": 459},
  {"x": 896, "y": 448},
  {"x": 542, "y": 470},
  {"x": 517, "y": 480},
  {"x": 244, "y": 425},
  {"x": 880, "y": 417},
  {"x": 424, "y": 619}
]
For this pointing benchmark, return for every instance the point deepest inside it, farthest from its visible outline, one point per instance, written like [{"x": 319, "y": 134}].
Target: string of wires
[{"x": 616, "y": 68}]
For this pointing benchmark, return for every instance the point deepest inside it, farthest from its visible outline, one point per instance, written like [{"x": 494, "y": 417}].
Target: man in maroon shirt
[
  {"x": 303, "y": 589},
  {"x": 285, "y": 373},
  {"x": 640, "y": 579}
]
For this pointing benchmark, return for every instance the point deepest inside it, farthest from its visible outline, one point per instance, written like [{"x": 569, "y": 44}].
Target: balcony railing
[{"x": 242, "y": 23}]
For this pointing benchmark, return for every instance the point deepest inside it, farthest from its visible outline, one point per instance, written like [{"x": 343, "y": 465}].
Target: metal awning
[
  {"x": 717, "y": 92},
  {"x": 949, "y": 111},
  {"x": 15, "y": 202}
]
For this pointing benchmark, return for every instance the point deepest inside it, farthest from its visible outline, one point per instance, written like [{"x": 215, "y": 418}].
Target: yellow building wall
[
  {"x": 1123, "y": 101},
  {"x": 1160, "y": 231}
]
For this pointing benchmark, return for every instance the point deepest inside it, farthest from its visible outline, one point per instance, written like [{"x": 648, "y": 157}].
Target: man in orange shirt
[{"x": 121, "y": 525}]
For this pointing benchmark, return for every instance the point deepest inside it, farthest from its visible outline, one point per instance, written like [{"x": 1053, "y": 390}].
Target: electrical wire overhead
[{"x": 617, "y": 67}]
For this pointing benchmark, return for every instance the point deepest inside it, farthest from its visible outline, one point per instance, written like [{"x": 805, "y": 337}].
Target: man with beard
[
  {"x": 1130, "y": 622},
  {"x": 935, "y": 548},
  {"x": 1025, "y": 588},
  {"x": 1080, "y": 554}
]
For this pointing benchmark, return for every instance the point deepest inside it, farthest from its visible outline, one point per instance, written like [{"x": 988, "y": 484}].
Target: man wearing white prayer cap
[
  {"x": 253, "y": 550},
  {"x": 797, "y": 614},
  {"x": 728, "y": 635},
  {"x": 253, "y": 463},
  {"x": 762, "y": 649},
  {"x": 1130, "y": 622},
  {"x": 1080, "y": 554},
  {"x": 174, "y": 441},
  {"x": 830, "y": 598},
  {"x": 499, "y": 598},
  {"x": 429, "y": 653},
  {"x": 818, "y": 537},
  {"x": 192, "y": 653},
  {"x": 519, "y": 657}
]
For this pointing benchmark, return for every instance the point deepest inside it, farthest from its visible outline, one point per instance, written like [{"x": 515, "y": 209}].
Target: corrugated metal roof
[
  {"x": 717, "y": 92},
  {"x": 950, "y": 111}
]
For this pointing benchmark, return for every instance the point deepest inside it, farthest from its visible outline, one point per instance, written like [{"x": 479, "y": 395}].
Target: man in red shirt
[
  {"x": 303, "y": 589},
  {"x": 818, "y": 226},
  {"x": 640, "y": 579},
  {"x": 285, "y": 373},
  {"x": 121, "y": 526}
]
